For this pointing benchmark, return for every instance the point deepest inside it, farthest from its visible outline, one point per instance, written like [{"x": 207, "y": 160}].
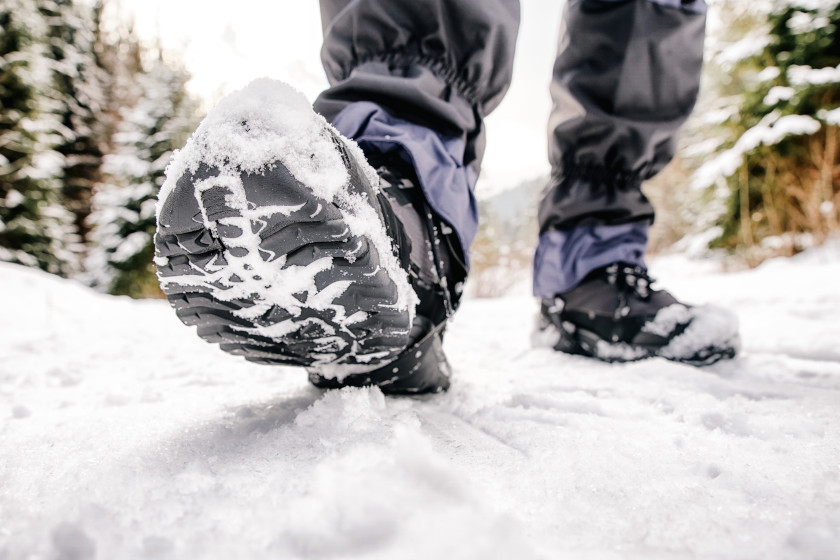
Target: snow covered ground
[{"x": 122, "y": 435}]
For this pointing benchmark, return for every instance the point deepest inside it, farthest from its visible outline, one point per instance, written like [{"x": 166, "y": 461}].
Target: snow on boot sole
[{"x": 272, "y": 242}]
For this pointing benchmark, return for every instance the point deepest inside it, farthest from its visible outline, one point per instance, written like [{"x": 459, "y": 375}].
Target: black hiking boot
[
  {"x": 614, "y": 315},
  {"x": 276, "y": 242}
]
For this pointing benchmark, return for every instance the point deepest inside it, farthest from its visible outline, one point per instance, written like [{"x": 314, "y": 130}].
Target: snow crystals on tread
[{"x": 256, "y": 126}]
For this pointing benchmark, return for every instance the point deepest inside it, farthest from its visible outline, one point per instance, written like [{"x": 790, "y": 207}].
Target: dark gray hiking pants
[{"x": 420, "y": 76}]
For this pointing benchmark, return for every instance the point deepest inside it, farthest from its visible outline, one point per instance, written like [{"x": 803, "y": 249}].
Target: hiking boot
[
  {"x": 615, "y": 315},
  {"x": 275, "y": 240}
]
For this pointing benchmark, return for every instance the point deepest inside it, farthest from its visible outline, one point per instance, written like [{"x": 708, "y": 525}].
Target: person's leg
[
  {"x": 419, "y": 78},
  {"x": 626, "y": 78},
  {"x": 411, "y": 83}
]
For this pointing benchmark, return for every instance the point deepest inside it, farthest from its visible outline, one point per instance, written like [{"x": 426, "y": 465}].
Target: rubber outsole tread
[{"x": 293, "y": 228}]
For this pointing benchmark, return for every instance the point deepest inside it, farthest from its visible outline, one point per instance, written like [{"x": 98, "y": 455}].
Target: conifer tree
[
  {"x": 777, "y": 170},
  {"x": 123, "y": 219},
  {"x": 35, "y": 228},
  {"x": 77, "y": 95}
]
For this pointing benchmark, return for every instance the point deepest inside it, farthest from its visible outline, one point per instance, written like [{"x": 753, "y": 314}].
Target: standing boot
[{"x": 625, "y": 80}]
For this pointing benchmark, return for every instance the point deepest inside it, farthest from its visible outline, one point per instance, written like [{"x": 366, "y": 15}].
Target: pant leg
[
  {"x": 420, "y": 76},
  {"x": 625, "y": 80}
]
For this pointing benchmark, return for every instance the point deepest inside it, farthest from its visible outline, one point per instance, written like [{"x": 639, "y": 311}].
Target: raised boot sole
[{"x": 270, "y": 271}]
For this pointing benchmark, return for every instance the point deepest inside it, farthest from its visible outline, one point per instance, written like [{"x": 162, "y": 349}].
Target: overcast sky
[{"x": 227, "y": 44}]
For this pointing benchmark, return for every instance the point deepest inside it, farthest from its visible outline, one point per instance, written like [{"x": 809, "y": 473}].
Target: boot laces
[{"x": 632, "y": 281}]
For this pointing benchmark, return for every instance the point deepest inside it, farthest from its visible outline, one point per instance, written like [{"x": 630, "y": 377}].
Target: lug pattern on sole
[{"x": 271, "y": 272}]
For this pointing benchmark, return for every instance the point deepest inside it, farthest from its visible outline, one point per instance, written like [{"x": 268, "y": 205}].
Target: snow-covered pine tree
[
  {"x": 775, "y": 73},
  {"x": 78, "y": 98},
  {"x": 123, "y": 217},
  {"x": 35, "y": 228}
]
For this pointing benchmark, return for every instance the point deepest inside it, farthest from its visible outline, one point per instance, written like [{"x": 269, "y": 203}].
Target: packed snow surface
[{"x": 125, "y": 436}]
